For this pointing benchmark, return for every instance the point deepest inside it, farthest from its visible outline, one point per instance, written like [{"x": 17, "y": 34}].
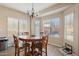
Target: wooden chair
[
  {"x": 32, "y": 35},
  {"x": 44, "y": 44},
  {"x": 18, "y": 49},
  {"x": 25, "y": 33},
  {"x": 41, "y": 33},
  {"x": 41, "y": 46}
]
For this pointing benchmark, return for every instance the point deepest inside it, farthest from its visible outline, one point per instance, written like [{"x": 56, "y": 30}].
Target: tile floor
[{"x": 52, "y": 51}]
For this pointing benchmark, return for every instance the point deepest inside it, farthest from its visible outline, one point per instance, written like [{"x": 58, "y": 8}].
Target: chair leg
[
  {"x": 46, "y": 51},
  {"x": 41, "y": 51},
  {"x": 25, "y": 51},
  {"x": 18, "y": 52},
  {"x": 15, "y": 52},
  {"x": 29, "y": 48}
]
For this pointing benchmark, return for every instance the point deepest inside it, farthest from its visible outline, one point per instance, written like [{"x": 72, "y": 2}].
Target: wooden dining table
[{"x": 30, "y": 39}]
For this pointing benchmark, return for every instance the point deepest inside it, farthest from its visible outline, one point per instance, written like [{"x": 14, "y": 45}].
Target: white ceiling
[
  {"x": 54, "y": 11},
  {"x": 23, "y": 7}
]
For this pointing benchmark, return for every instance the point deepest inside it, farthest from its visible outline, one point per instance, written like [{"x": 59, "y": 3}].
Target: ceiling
[
  {"x": 41, "y": 8},
  {"x": 23, "y": 7}
]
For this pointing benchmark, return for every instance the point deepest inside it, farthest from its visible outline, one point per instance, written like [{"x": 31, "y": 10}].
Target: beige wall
[
  {"x": 32, "y": 25},
  {"x": 4, "y": 14},
  {"x": 3, "y": 26}
]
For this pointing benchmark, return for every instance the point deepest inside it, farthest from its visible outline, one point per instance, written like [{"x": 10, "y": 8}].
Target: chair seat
[{"x": 26, "y": 44}]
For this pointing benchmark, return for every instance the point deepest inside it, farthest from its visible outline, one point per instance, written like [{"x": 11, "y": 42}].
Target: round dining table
[{"x": 30, "y": 39}]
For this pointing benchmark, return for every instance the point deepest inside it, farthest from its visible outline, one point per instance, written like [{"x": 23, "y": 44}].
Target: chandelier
[{"x": 32, "y": 12}]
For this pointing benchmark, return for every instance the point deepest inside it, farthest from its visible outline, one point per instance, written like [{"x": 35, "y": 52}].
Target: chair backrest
[
  {"x": 32, "y": 35},
  {"x": 25, "y": 33},
  {"x": 41, "y": 33},
  {"x": 16, "y": 42},
  {"x": 44, "y": 41}
]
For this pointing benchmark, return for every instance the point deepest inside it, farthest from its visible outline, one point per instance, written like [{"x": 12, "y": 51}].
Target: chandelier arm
[{"x": 32, "y": 14}]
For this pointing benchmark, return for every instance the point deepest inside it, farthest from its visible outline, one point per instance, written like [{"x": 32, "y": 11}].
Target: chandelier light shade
[{"x": 32, "y": 12}]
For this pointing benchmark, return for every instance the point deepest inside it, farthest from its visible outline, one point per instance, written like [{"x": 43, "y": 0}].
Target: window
[
  {"x": 37, "y": 27},
  {"x": 23, "y": 25},
  {"x": 12, "y": 29},
  {"x": 68, "y": 31},
  {"x": 55, "y": 24},
  {"x": 12, "y": 25},
  {"x": 46, "y": 25},
  {"x": 16, "y": 26},
  {"x": 51, "y": 26}
]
